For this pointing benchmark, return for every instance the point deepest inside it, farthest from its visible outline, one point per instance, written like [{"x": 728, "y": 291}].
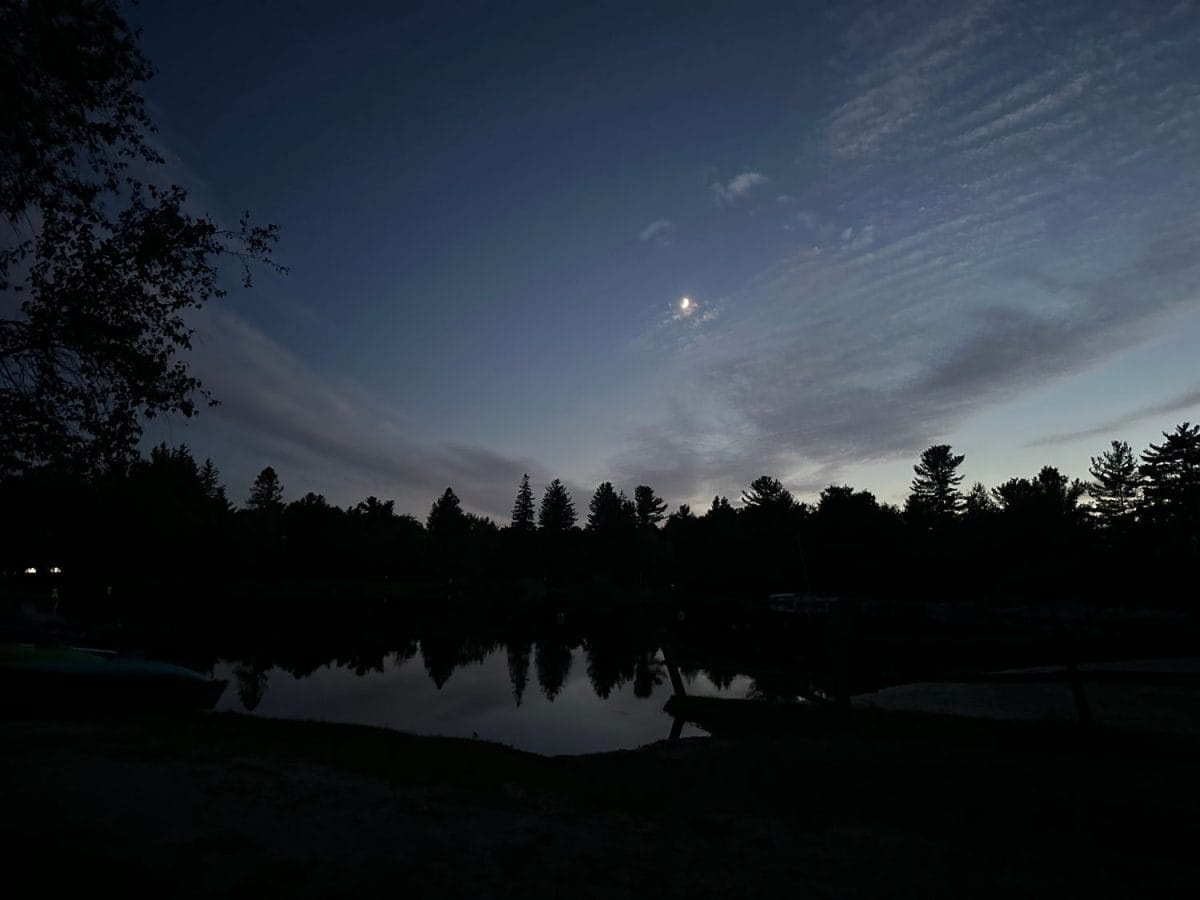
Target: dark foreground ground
[{"x": 222, "y": 804}]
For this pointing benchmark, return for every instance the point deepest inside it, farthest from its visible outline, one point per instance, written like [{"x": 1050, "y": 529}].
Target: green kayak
[{"x": 50, "y": 680}]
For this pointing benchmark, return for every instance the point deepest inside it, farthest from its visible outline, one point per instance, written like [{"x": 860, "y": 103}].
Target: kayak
[{"x": 51, "y": 680}]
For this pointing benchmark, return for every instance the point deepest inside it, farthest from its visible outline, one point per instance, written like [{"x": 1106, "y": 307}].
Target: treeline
[{"x": 1131, "y": 534}]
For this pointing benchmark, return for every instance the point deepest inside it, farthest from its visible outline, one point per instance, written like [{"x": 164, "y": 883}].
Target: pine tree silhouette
[
  {"x": 935, "y": 490},
  {"x": 523, "y": 511},
  {"x": 651, "y": 509},
  {"x": 1117, "y": 486},
  {"x": 557, "y": 512},
  {"x": 266, "y": 494}
]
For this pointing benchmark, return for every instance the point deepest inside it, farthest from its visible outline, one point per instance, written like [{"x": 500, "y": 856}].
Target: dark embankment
[{"x": 219, "y": 804}]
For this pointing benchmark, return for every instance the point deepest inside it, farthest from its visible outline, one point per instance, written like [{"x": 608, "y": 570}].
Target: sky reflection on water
[{"x": 477, "y": 701}]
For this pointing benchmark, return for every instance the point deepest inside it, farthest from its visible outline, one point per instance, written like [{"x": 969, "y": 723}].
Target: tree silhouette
[
  {"x": 1117, "y": 486},
  {"x": 766, "y": 493},
  {"x": 935, "y": 491},
  {"x": 610, "y": 663},
  {"x": 844, "y": 508},
  {"x": 1031, "y": 535},
  {"x": 979, "y": 501},
  {"x": 107, "y": 262},
  {"x": 446, "y": 516},
  {"x": 1042, "y": 531},
  {"x": 850, "y": 532},
  {"x": 518, "y": 668},
  {"x": 1171, "y": 479},
  {"x": 523, "y": 511},
  {"x": 168, "y": 508},
  {"x": 317, "y": 540},
  {"x": 210, "y": 480},
  {"x": 552, "y": 662},
  {"x": 374, "y": 510},
  {"x": 647, "y": 675},
  {"x": 650, "y": 508},
  {"x": 441, "y": 654},
  {"x": 1051, "y": 498},
  {"x": 608, "y": 511},
  {"x": 266, "y": 494},
  {"x": 557, "y": 512},
  {"x": 683, "y": 514},
  {"x": 721, "y": 508},
  {"x": 251, "y": 685}
]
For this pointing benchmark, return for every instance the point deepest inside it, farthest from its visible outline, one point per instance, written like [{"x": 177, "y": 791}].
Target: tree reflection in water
[
  {"x": 617, "y": 653},
  {"x": 251, "y": 685},
  {"x": 552, "y": 660},
  {"x": 518, "y": 667}
]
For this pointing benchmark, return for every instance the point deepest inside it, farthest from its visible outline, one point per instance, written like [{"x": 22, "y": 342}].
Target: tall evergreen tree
[
  {"x": 523, "y": 510},
  {"x": 607, "y": 511},
  {"x": 1171, "y": 479},
  {"x": 266, "y": 494},
  {"x": 650, "y": 508},
  {"x": 935, "y": 490},
  {"x": 446, "y": 517},
  {"x": 557, "y": 512},
  {"x": 1116, "y": 488},
  {"x": 210, "y": 480},
  {"x": 766, "y": 493}
]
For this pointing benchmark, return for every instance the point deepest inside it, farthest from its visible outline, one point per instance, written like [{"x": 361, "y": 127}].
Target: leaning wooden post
[
  {"x": 679, "y": 693},
  {"x": 676, "y": 728},
  {"x": 673, "y": 672}
]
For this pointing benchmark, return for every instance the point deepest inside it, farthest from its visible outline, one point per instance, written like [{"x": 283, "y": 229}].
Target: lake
[{"x": 570, "y": 706}]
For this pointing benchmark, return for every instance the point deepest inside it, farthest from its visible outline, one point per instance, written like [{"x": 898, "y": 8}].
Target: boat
[{"x": 53, "y": 680}]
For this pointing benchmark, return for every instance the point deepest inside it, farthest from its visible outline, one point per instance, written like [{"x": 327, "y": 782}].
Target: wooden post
[
  {"x": 676, "y": 728},
  {"x": 676, "y": 680}
]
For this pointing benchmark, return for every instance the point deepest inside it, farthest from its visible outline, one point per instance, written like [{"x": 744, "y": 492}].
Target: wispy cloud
[
  {"x": 861, "y": 124},
  {"x": 737, "y": 188},
  {"x": 1015, "y": 117},
  {"x": 1111, "y": 427},
  {"x": 992, "y": 215},
  {"x": 328, "y": 433},
  {"x": 660, "y": 231},
  {"x": 896, "y": 87}
]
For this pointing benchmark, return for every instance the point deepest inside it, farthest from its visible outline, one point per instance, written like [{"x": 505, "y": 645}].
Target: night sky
[{"x": 896, "y": 224}]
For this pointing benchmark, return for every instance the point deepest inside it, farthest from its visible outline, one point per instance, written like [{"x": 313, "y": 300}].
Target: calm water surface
[{"x": 478, "y": 700}]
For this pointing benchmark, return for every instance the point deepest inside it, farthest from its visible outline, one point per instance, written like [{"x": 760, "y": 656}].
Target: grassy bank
[{"x": 934, "y": 807}]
